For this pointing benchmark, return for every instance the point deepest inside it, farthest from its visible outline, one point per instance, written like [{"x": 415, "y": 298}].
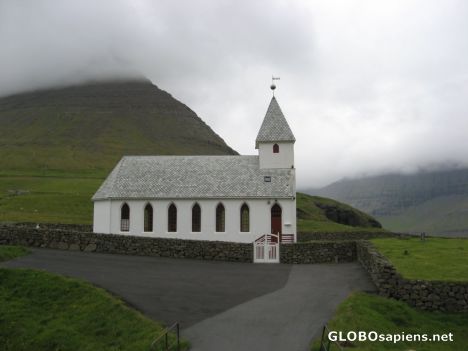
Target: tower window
[{"x": 276, "y": 149}]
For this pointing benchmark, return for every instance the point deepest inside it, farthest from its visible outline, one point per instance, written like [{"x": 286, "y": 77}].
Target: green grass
[
  {"x": 365, "y": 312},
  {"x": 42, "y": 311},
  {"x": 58, "y": 198},
  {"x": 10, "y": 252},
  {"x": 432, "y": 259}
]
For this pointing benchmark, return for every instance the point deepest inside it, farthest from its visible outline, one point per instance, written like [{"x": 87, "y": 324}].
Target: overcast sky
[{"x": 367, "y": 86}]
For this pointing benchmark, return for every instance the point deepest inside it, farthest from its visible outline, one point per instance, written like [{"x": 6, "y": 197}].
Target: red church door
[{"x": 276, "y": 222}]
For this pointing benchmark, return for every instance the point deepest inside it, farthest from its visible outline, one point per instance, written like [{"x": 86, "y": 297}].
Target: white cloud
[{"x": 367, "y": 86}]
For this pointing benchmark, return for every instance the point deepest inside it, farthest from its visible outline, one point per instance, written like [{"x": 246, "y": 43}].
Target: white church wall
[
  {"x": 283, "y": 159},
  {"x": 107, "y": 218},
  {"x": 101, "y": 222}
]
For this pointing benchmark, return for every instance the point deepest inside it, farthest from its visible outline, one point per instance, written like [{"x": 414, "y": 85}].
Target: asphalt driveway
[
  {"x": 165, "y": 289},
  {"x": 220, "y": 305}
]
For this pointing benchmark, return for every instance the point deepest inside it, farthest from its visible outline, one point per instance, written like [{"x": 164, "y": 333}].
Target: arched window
[
  {"x": 220, "y": 218},
  {"x": 244, "y": 218},
  {"x": 148, "y": 220},
  {"x": 196, "y": 218},
  {"x": 276, "y": 149},
  {"x": 172, "y": 218},
  {"x": 125, "y": 218}
]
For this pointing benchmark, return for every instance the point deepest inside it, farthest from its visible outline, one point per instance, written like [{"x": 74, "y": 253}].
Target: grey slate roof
[
  {"x": 274, "y": 126},
  {"x": 152, "y": 177}
]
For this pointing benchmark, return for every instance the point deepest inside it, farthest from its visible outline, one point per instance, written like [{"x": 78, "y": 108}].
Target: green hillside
[
  {"x": 58, "y": 145},
  {"x": 86, "y": 129},
  {"x": 318, "y": 214}
]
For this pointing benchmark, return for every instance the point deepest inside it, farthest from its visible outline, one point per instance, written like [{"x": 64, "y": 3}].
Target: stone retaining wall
[
  {"x": 57, "y": 237},
  {"x": 86, "y": 228},
  {"x": 127, "y": 245},
  {"x": 426, "y": 295},
  {"x": 318, "y": 252}
]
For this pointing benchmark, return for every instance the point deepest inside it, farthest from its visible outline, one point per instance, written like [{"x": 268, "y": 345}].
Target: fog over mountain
[{"x": 368, "y": 87}]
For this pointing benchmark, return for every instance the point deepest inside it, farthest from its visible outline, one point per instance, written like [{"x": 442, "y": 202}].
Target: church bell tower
[{"x": 275, "y": 140}]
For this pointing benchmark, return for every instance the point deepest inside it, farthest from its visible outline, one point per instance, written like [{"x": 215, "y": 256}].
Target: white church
[{"x": 219, "y": 198}]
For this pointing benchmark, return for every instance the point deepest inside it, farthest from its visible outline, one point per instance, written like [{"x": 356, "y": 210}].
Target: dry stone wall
[
  {"x": 86, "y": 228},
  {"x": 426, "y": 295},
  {"x": 71, "y": 237},
  {"x": 127, "y": 245},
  {"x": 318, "y": 252}
]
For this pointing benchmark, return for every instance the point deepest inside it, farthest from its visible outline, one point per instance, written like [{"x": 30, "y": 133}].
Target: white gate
[{"x": 266, "y": 249}]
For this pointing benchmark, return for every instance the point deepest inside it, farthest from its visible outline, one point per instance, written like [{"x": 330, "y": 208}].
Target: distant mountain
[
  {"x": 435, "y": 202},
  {"x": 91, "y": 126}
]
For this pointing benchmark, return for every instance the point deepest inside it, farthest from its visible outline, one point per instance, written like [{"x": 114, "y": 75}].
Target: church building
[{"x": 221, "y": 198}]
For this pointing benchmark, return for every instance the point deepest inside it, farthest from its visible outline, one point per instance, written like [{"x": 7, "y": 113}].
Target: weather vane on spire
[{"x": 273, "y": 85}]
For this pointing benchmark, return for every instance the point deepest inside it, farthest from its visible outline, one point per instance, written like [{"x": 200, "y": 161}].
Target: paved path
[
  {"x": 221, "y": 305},
  {"x": 284, "y": 320},
  {"x": 167, "y": 290}
]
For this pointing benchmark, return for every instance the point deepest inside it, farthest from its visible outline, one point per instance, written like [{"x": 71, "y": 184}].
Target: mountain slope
[
  {"x": 91, "y": 126},
  {"x": 435, "y": 202},
  {"x": 447, "y": 215},
  {"x": 318, "y": 214}
]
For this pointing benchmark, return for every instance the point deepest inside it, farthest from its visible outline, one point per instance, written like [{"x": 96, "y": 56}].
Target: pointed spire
[{"x": 274, "y": 127}]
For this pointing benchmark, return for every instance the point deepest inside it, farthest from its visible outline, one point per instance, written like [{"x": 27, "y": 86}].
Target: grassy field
[
  {"x": 40, "y": 311},
  {"x": 432, "y": 259},
  {"x": 56, "y": 198},
  {"x": 365, "y": 312}
]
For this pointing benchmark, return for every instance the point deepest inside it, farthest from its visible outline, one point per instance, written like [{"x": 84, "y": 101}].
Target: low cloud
[{"x": 368, "y": 87}]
